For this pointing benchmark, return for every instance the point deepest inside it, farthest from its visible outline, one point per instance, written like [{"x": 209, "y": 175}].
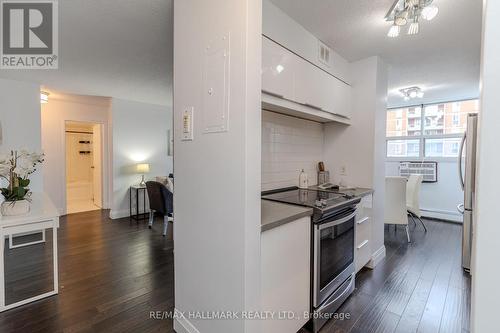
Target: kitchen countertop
[
  {"x": 353, "y": 191},
  {"x": 275, "y": 214}
]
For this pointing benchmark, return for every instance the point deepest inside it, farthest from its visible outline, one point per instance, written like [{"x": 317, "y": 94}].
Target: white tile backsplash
[{"x": 289, "y": 145}]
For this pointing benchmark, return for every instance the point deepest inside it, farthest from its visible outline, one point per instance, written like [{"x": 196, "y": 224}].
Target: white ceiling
[
  {"x": 116, "y": 48},
  {"x": 443, "y": 59},
  {"x": 123, "y": 48}
]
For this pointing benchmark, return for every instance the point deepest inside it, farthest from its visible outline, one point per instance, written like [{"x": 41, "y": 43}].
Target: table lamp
[{"x": 142, "y": 168}]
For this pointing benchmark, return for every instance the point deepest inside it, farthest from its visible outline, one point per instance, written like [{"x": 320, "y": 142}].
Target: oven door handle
[{"x": 336, "y": 222}]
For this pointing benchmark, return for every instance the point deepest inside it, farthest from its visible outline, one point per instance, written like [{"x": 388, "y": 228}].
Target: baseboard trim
[
  {"x": 442, "y": 215},
  {"x": 182, "y": 325},
  {"x": 118, "y": 214},
  {"x": 377, "y": 257}
]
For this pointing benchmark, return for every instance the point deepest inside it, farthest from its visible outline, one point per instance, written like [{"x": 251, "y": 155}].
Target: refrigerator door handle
[{"x": 460, "y": 154}]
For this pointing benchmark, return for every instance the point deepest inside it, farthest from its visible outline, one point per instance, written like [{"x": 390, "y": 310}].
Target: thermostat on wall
[{"x": 187, "y": 124}]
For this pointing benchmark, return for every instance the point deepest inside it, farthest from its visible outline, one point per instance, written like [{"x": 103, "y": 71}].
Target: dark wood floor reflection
[
  {"x": 419, "y": 287},
  {"x": 112, "y": 274}
]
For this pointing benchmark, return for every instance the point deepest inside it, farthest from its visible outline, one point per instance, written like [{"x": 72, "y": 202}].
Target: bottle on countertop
[{"x": 303, "y": 181}]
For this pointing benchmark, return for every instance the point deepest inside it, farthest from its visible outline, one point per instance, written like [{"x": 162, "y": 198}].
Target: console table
[
  {"x": 43, "y": 215},
  {"x": 134, "y": 193}
]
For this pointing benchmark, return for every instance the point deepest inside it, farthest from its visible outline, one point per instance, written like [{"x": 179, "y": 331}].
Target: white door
[{"x": 97, "y": 165}]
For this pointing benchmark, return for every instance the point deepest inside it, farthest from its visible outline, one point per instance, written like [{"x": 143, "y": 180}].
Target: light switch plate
[{"x": 187, "y": 124}]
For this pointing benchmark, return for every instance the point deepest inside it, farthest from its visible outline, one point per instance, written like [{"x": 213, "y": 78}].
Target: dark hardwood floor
[
  {"x": 113, "y": 273},
  {"x": 419, "y": 287}
]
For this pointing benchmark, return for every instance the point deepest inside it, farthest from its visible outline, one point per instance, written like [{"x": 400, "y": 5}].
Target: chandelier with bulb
[{"x": 408, "y": 13}]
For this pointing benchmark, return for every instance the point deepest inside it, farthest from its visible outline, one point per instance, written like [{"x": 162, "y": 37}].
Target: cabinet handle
[
  {"x": 362, "y": 244},
  {"x": 272, "y": 94},
  {"x": 363, "y": 220},
  {"x": 314, "y": 106}
]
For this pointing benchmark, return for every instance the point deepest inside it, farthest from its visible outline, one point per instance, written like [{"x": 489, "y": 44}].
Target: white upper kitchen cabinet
[
  {"x": 341, "y": 98},
  {"x": 300, "y": 87},
  {"x": 278, "y": 68},
  {"x": 312, "y": 86}
]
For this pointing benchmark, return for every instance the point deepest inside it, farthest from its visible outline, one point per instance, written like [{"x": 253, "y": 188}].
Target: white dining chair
[
  {"x": 395, "y": 203},
  {"x": 413, "y": 198}
]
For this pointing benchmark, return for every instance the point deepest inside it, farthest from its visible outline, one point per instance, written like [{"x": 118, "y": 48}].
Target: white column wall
[
  {"x": 217, "y": 176},
  {"x": 20, "y": 121},
  {"x": 485, "y": 268}
]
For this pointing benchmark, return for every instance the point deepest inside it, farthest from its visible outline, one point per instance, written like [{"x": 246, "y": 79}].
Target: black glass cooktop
[{"x": 310, "y": 198}]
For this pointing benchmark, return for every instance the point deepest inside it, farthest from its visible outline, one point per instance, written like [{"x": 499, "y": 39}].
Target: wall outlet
[{"x": 343, "y": 170}]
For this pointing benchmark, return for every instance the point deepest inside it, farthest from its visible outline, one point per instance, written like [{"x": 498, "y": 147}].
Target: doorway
[{"x": 83, "y": 167}]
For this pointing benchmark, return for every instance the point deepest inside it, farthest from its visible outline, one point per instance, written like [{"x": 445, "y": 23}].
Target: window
[
  {"x": 403, "y": 122},
  {"x": 403, "y": 148},
  {"x": 433, "y": 130}
]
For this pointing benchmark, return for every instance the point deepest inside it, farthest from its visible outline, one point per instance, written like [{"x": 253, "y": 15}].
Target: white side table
[{"x": 43, "y": 215}]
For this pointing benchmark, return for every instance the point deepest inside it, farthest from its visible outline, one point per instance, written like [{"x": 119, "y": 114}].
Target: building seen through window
[{"x": 433, "y": 130}]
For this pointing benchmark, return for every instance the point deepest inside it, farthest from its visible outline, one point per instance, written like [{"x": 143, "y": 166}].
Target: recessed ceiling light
[{"x": 280, "y": 68}]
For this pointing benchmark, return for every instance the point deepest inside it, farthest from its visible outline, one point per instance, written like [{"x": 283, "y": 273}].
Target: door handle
[
  {"x": 460, "y": 208},
  {"x": 460, "y": 153},
  {"x": 92, "y": 167},
  {"x": 336, "y": 222}
]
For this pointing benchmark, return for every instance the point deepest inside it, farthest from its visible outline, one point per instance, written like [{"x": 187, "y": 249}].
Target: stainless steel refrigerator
[{"x": 467, "y": 172}]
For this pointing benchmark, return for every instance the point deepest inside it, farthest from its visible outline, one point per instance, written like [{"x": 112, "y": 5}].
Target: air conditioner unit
[{"x": 426, "y": 169}]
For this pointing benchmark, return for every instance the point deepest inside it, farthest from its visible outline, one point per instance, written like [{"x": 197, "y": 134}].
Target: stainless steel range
[{"x": 332, "y": 253}]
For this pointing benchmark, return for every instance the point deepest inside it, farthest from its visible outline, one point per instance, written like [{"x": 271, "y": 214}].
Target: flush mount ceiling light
[
  {"x": 403, "y": 12},
  {"x": 44, "y": 97},
  {"x": 411, "y": 92}
]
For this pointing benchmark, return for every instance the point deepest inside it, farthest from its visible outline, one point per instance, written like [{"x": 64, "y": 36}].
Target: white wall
[
  {"x": 284, "y": 30},
  {"x": 289, "y": 145},
  {"x": 217, "y": 175},
  {"x": 139, "y": 133},
  {"x": 360, "y": 147},
  {"x": 438, "y": 200},
  {"x": 485, "y": 268},
  {"x": 64, "y": 108},
  {"x": 20, "y": 121}
]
